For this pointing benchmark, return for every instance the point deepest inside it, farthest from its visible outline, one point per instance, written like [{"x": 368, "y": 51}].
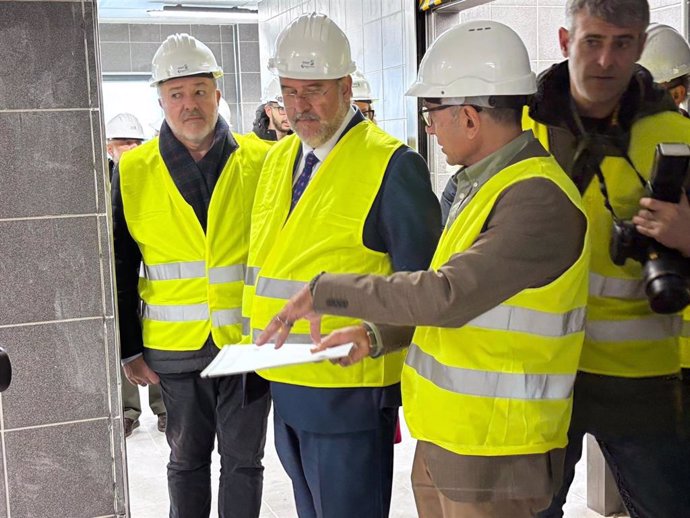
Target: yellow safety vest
[
  {"x": 193, "y": 281},
  {"x": 623, "y": 337},
  {"x": 323, "y": 233},
  {"x": 268, "y": 144},
  {"x": 502, "y": 383}
]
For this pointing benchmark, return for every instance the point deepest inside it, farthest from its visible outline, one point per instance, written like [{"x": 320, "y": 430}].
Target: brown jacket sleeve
[{"x": 532, "y": 236}]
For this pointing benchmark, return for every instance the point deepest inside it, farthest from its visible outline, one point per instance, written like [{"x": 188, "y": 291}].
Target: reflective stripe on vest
[
  {"x": 223, "y": 317},
  {"x": 177, "y": 313},
  {"x": 251, "y": 275},
  {"x": 489, "y": 383},
  {"x": 194, "y": 270},
  {"x": 654, "y": 327},
  {"x": 511, "y": 318},
  {"x": 246, "y": 328},
  {"x": 601, "y": 286},
  {"x": 277, "y": 288}
]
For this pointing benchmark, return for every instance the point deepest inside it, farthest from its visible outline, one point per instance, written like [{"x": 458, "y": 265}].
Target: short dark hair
[
  {"x": 507, "y": 116},
  {"x": 623, "y": 13}
]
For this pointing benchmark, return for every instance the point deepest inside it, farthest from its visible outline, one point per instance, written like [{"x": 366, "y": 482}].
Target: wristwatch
[{"x": 375, "y": 348}]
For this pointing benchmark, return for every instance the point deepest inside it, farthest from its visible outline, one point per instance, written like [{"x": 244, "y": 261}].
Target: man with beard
[
  {"x": 181, "y": 206},
  {"x": 338, "y": 195}
]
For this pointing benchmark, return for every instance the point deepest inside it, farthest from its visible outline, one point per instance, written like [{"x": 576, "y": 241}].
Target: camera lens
[{"x": 666, "y": 289}]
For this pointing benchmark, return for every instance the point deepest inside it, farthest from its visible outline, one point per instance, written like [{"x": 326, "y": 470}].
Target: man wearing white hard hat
[
  {"x": 487, "y": 382},
  {"x": 666, "y": 55},
  {"x": 123, "y": 132},
  {"x": 271, "y": 122},
  {"x": 338, "y": 195},
  {"x": 181, "y": 206},
  {"x": 362, "y": 96}
]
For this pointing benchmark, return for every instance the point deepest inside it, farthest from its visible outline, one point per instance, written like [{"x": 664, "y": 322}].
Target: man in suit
[{"x": 339, "y": 194}]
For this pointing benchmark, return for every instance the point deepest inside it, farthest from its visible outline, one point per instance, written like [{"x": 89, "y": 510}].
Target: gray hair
[{"x": 623, "y": 13}]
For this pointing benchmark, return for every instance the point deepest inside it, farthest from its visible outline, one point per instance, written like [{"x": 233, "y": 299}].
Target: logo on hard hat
[
  {"x": 182, "y": 68},
  {"x": 307, "y": 63}
]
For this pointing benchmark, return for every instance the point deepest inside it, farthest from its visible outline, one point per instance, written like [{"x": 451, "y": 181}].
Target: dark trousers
[
  {"x": 199, "y": 409},
  {"x": 339, "y": 475},
  {"x": 642, "y": 428}
]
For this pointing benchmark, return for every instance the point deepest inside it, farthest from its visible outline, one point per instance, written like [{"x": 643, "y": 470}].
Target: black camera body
[{"x": 665, "y": 274}]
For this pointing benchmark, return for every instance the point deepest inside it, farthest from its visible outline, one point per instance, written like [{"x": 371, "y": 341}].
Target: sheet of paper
[{"x": 235, "y": 359}]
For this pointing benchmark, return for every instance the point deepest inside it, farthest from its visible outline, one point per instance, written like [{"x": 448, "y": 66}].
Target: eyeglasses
[
  {"x": 369, "y": 114},
  {"x": 424, "y": 112},
  {"x": 281, "y": 109},
  {"x": 310, "y": 96}
]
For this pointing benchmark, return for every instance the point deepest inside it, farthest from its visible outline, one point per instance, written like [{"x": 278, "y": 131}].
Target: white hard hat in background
[
  {"x": 475, "y": 59},
  {"x": 312, "y": 47},
  {"x": 666, "y": 54},
  {"x": 224, "y": 111},
  {"x": 182, "y": 55},
  {"x": 272, "y": 93},
  {"x": 361, "y": 89},
  {"x": 124, "y": 126}
]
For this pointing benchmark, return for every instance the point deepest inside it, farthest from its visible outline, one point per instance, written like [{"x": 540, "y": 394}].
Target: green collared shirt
[{"x": 470, "y": 179}]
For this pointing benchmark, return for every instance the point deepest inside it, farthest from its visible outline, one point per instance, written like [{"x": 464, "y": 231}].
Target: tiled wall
[
  {"x": 128, "y": 49},
  {"x": 537, "y": 23},
  {"x": 382, "y": 39},
  {"x": 61, "y": 446}
]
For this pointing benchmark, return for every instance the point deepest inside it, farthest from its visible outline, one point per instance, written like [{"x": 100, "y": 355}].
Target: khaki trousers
[{"x": 432, "y": 503}]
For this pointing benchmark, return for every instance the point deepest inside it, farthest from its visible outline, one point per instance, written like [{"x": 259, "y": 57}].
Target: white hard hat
[
  {"x": 125, "y": 126},
  {"x": 224, "y": 111},
  {"x": 475, "y": 59},
  {"x": 361, "y": 89},
  {"x": 666, "y": 54},
  {"x": 312, "y": 47},
  {"x": 272, "y": 93},
  {"x": 182, "y": 55}
]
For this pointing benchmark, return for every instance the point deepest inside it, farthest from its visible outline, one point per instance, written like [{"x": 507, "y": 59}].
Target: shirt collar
[
  {"x": 324, "y": 149},
  {"x": 479, "y": 173}
]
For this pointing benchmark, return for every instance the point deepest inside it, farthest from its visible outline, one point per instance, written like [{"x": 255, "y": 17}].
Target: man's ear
[
  {"x": 564, "y": 41},
  {"x": 471, "y": 120}
]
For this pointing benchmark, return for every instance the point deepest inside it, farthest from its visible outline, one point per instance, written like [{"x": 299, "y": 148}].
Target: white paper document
[{"x": 235, "y": 359}]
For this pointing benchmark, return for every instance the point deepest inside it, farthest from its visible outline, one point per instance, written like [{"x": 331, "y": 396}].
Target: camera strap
[{"x": 590, "y": 153}]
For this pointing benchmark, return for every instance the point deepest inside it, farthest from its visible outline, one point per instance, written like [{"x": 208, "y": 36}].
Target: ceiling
[{"x": 135, "y": 11}]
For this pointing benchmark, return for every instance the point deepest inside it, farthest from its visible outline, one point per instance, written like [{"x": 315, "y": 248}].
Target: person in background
[
  {"x": 602, "y": 116},
  {"x": 181, "y": 206},
  {"x": 271, "y": 123},
  {"x": 362, "y": 96},
  {"x": 122, "y": 133},
  {"x": 487, "y": 382},
  {"x": 666, "y": 55},
  {"x": 342, "y": 195}
]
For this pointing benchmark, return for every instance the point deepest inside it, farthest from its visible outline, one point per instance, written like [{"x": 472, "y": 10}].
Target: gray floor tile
[{"x": 148, "y": 451}]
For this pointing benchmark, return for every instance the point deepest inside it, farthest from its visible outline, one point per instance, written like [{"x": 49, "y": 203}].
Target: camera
[{"x": 665, "y": 271}]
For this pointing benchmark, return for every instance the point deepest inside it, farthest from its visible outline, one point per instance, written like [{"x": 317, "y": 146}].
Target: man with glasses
[
  {"x": 271, "y": 123},
  {"x": 487, "y": 383},
  {"x": 339, "y": 195},
  {"x": 362, "y": 96}
]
